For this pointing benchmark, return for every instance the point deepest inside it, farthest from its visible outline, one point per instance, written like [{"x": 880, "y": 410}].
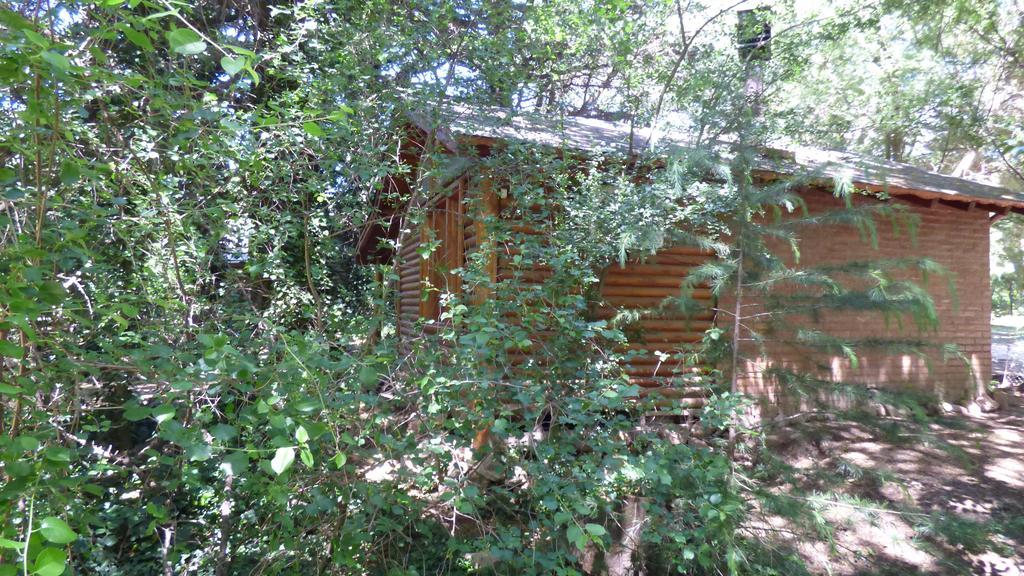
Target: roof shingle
[{"x": 591, "y": 136}]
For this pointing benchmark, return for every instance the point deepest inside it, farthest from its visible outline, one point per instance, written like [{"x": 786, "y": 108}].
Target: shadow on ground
[{"x": 859, "y": 498}]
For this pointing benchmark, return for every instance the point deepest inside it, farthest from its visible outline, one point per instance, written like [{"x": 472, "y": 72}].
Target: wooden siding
[
  {"x": 958, "y": 240},
  {"x": 410, "y": 276},
  {"x": 661, "y": 342},
  {"x": 658, "y": 344},
  {"x": 422, "y": 280}
]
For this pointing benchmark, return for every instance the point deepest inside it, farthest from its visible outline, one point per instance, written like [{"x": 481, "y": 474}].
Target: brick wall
[{"x": 957, "y": 239}]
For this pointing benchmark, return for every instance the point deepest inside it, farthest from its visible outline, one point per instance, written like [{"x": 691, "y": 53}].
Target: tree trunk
[{"x": 622, "y": 558}]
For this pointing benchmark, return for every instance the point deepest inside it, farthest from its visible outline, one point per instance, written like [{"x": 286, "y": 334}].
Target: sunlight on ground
[{"x": 946, "y": 503}]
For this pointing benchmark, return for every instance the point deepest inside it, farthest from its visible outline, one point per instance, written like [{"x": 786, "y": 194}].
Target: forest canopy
[{"x": 196, "y": 375}]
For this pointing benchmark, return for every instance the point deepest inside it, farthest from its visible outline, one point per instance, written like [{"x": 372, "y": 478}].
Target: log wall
[
  {"x": 658, "y": 356},
  {"x": 421, "y": 281},
  {"x": 956, "y": 238}
]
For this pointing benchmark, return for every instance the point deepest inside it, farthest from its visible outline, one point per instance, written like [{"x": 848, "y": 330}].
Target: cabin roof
[
  {"x": 592, "y": 136},
  {"x": 460, "y": 128}
]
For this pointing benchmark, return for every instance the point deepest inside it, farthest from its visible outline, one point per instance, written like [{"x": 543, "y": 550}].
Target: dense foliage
[{"x": 196, "y": 376}]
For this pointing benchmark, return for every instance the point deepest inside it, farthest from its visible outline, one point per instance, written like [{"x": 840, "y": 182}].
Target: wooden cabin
[{"x": 955, "y": 216}]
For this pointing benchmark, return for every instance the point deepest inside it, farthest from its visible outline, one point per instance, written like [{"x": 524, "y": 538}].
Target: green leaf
[
  {"x": 224, "y": 432},
  {"x": 93, "y": 489},
  {"x": 199, "y": 452},
  {"x": 313, "y": 129},
  {"x": 301, "y": 435},
  {"x": 57, "y": 454},
  {"x": 13, "y": 545},
  {"x": 596, "y": 530},
  {"x": 235, "y": 464},
  {"x": 307, "y": 405},
  {"x": 58, "y": 61},
  {"x": 36, "y": 38},
  {"x": 163, "y": 413},
  {"x": 306, "y": 456},
  {"x": 133, "y": 412},
  {"x": 342, "y": 113},
  {"x": 57, "y": 531},
  {"x": 14, "y": 20},
  {"x": 576, "y": 536},
  {"x": 283, "y": 459},
  {"x": 732, "y": 560},
  {"x": 50, "y": 562},
  {"x": 10, "y": 349},
  {"x": 240, "y": 51},
  {"x": 232, "y": 64},
  {"x": 29, "y": 443},
  {"x": 186, "y": 42},
  {"x": 69, "y": 172},
  {"x": 8, "y": 390},
  {"x": 368, "y": 375},
  {"x": 231, "y": 125},
  {"x": 157, "y": 511},
  {"x": 339, "y": 459},
  {"x": 140, "y": 39},
  {"x": 18, "y": 468},
  {"x": 160, "y": 15}
]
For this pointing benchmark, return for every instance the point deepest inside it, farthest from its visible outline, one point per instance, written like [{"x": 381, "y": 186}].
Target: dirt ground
[{"x": 943, "y": 498}]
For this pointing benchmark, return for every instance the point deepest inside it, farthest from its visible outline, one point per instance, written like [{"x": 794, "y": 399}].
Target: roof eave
[{"x": 995, "y": 205}]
